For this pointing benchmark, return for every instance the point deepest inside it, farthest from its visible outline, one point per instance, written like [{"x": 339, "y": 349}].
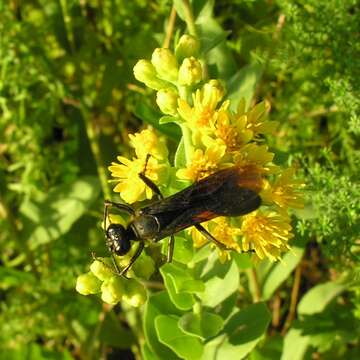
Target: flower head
[
  {"x": 147, "y": 142},
  {"x": 165, "y": 64},
  {"x": 204, "y": 110},
  {"x": 130, "y": 186},
  {"x": 267, "y": 233},
  {"x": 223, "y": 232},
  {"x": 190, "y": 72},
  {"x": 285, "y": 192},
  {"x": 203, "y": 163},
  {"x": 254, "y": 154},
  {"x": 255, "y": 119},
  {"x": 187, "y": 46},
  {"x": 232, "y": 131}
]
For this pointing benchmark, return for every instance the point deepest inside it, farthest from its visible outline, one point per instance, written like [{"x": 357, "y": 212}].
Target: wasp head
[{"x": 117, "y": 239}]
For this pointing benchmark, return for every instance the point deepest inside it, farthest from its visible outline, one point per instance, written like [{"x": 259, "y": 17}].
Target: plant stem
[
  {"x": 170, "y": 28},
  {"x": 255, "y": 282},
  {"x": 189, "y": 18},
  {"x": 293, "y": 300}
]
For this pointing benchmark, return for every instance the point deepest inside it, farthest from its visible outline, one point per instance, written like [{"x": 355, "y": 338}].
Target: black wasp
[{"x": 229, "y": 192}]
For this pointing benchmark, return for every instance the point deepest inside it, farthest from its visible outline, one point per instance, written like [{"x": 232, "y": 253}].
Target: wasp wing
[{"x": 220, "y": 194}]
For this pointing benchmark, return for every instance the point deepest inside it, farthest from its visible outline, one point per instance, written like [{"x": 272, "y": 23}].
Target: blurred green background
[{"x": 68, "y": 101}]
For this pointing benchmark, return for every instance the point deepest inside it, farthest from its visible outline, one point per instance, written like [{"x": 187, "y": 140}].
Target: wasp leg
[
  {"x": 149, "y": 182},
  {"x": 128, "y": 209},
  {"x": 133, "y": 259},
  {"x": 210, "y": 237},
  {"x": 170, "y": 250}
]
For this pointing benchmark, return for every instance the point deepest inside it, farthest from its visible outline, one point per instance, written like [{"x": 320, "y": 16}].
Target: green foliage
[{"x": 68, "y": 99}]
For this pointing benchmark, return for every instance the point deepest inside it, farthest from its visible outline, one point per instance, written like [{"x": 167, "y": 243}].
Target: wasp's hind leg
[
  {"x": 210, "y": 237},
  {"x": 148, "y": 182},
  {"x": 170, "y": 250}
]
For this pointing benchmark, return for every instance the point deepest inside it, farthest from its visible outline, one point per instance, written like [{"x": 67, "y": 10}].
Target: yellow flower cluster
[
  {"x": 126, "y": 172},
  {"x": 214, "y": 137}
]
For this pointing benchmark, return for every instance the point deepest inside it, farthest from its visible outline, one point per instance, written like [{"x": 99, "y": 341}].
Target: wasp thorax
[{"x": 117, "y": 239}]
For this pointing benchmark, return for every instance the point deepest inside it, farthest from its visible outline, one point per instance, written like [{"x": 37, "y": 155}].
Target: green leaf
[
  {"x": 150, "y": 116},
  {"x": 280, "y": 272},
  {"x": 183, "y": 301},
  {"x": 243, "y": 261},
  {"x": 183, "y": 250},
  {"x": 270, "y": 348},
  {"x": 203, "y": 325},
  {"x": 179, "y": 284},
  {"x": 295, "y": 345},
  {"x": 183, "y": 280},
  {"x": 158, "y": 304},
  {"x": 147, "y": 354},
  {"x": 240, "y": 335},
  {"x": 220, "y": 60},
  {"x": 217, "y": 289},
  {"x": 53, "y": 216},
  {"x": 317, "y": 298},
  {"x": 169, "y": 333},
  {"x": 243, "y": 84}
]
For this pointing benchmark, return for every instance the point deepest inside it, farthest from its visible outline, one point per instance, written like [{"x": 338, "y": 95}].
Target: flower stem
[
  {"x": 189, "y": 18},
  {"x": 187, "y": 143}
]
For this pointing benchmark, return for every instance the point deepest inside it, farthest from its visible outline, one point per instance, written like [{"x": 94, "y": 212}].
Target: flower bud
[
  {"x": 145, "y": 72},
  {"x": 187, "y": 46},
  {"x": 88, "y": 284},
  {"x": 190, "y": 72},
  {"x": 165, "y": 64},
  {"x": 144, "y": 266},
  {"x": 112, "y": 290},
  {"x": 135, "y": 293},
  {"x": 167, "y": 101},
  {"x": 214, "y": 85},
  {"x": 102, "y": 269}
]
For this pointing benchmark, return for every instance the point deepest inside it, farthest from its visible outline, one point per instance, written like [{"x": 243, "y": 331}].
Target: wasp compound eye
[{"x": 117, "y": 239}]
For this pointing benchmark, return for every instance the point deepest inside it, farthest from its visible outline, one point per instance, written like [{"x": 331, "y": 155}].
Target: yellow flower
[
  {"x": 253, "y": 154},
  {"x": 222, "y": 230},
  {"x": 205, "y": 103},
  {"x": 203, "y": 164},
  {"x": 232, "y": 131},
  {"x": 130, "y": 186},
  {"x": 267, "y": 233},
  {"x": 285, "y": 191},
  {"x": 256, "y": 118},
  {"x": 197, "y": 237},
  {"x": 148, "y": 142}
]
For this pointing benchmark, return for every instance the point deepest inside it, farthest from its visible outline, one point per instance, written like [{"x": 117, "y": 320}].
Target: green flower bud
[
  {"x": 102, "y": 269},
  {"x": 187, "y": 46},
  {"x": 165, "y": 64},
  {"x": 112, "y": 290},
  {"x": 135, "y": 293},
  {"x": 88, "y": 284},
  {"x": 145, "y": 72},
  {"x": 144, "y": 266},
  {"x": 190, "y": 72},
  {"x": 167, "y": 101},
  {"x": 213, "y": 88}
]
